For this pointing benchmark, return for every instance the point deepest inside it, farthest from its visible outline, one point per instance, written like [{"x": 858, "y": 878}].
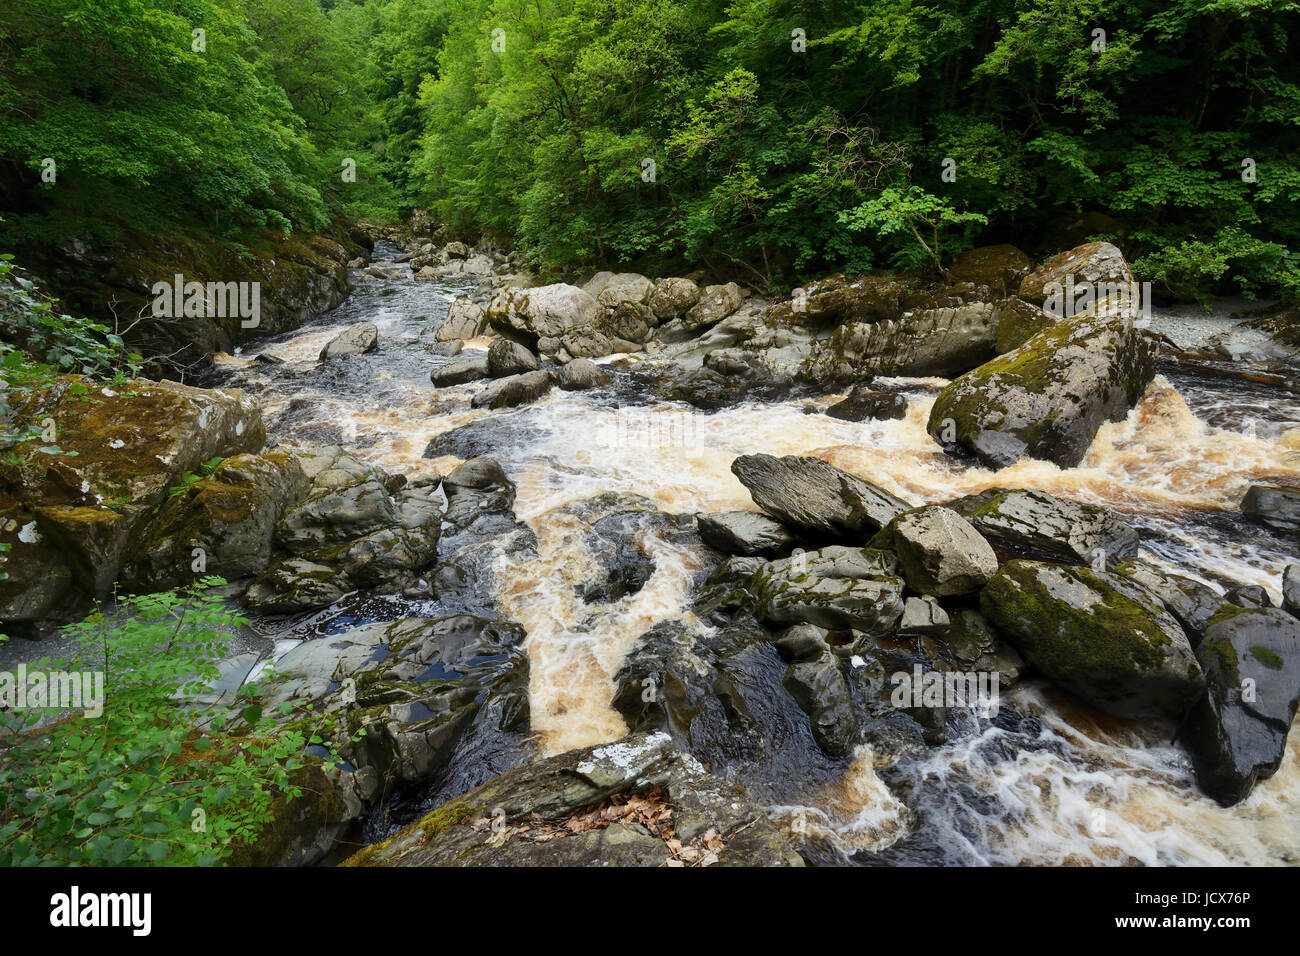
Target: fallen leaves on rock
[{"x": 649, "y": 809}]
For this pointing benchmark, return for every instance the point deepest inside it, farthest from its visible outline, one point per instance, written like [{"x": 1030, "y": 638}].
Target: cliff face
[{"x": 116, "y": 281}]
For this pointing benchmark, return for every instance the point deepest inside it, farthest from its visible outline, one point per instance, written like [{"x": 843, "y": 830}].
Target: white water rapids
[{"x": 1177, "y": 467}]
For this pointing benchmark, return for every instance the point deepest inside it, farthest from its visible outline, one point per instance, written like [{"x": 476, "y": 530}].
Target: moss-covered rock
[
  {"x": 1018, "y": 322},
  {"x": 1096, "y": 635},
  {"x": 835, "y": 587},
  {"x": 1047, "y": 398},
  {"x": 1033, "y": 524}
]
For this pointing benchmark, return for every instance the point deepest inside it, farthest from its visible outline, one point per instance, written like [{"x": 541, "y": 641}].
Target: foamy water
[{"x": 1172, "y": 473}]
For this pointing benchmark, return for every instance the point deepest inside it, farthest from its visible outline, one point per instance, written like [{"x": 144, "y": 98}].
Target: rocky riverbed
[{"x": 636, "y": 572}]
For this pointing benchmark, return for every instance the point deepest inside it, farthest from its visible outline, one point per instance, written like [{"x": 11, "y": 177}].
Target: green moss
[
  {"x": 427, "y": 827},
  {"x": 1225, "y": 612},
  {"x": 1267, "y": 656}
]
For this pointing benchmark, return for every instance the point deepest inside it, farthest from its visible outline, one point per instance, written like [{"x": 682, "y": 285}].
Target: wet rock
[
  {"x": 510, "y": 358},
  {"x": 514, "y": 390},
  {"x": 561, "y": 787},
  {"x": 544, "y": 311},
  {"x": 745, "y": 533},
  {"x": 1047, "y": 398},
  {"x": 975, "y": 645},
  {"x": 581, "y": 374},
  {"x": 1098, "y": 263},
  {"x": 716, "y": 303},
  {"x": 762, "y": 373},
  {"x": 835, "y": 587},
  {"x": 1095, "y": 635},
  {"x": 623, "y": 288},
  {"x": 1275, "y": 506},
  {"x": 354, "y": 340},
  {"x": 673, "y": 298},
  {"x": 863, "y": 403},
  {"x": 446, "y": 349},
  {"x": 347, "y": 500},
  {"x": 1018, "y": 322},
  {"x": 943, "y": 341},
  {"x": 229, "y": 516},
  {"x": 1237, "y": 732},
  {"x": 465, "y": 320},
  {"x": 1188, "y": 600},
  {"x": 816, "y": 681},
  {"x": 1034, "y": 524},
  {"x": 477, "y": 488},
  {"x": 265, "y": 358},
  {"x": 295, "y": 584},
  {"x": 1291, "y": 589},
  {"x": 939, "y": 552},
  {"x": 460, "y": 372},
  {"x": 811, "y": 496},
  {"x": 1248, "y": 596}
]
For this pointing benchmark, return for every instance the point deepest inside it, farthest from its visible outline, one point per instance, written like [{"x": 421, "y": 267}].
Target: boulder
[
  {"x": 1276, "y": 506},
  {"x": 354, "y": 340},
  {"x": 624, "y": 287},
  {"x": 514, "y": 390},
  {"x": 1291, "y": 589},
  {"x": 863, "y": 403},
  {"x": 1237, "y": 732},
  {"x": 811, "y": 496},
  {"x": 1047, "y": 398},
  {"x": 939, "y": 552},
  {"x": 1034, "y": 524},
  {"x": 816, "y": 681},
  {"x": 1096, "y": 634},
  {"x": 1018, "y": 322},
  {"x": 628, "y": 322},
  {"x": 544, "y": 311},
  {"x": 465, "y": 320},
  {"x": 581, "y": 374},
  {"x": 673, "y": 298},
  {"x": 510, "y": 358},
  {"x": 744, "y": 533},
  {"x": 1097, "y": 263},
  {"x": 460, "y": 371},
  {"x": 634, "y": 802},
  {"x": 716, "y": 303},
  {"x": 835, "y": 587},
  {"x": 1188, "y": 600}
]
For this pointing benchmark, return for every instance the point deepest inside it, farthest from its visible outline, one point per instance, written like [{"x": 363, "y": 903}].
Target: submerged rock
[
  {"x": 1237, "y": 732},
  {"x": 1047, "y": 398},
  {"x": 354, "y": 340},
  {"x": 814, "y": 497},
  {"x": 1095, "y": 635},
  {"x": 863, "y": 403},
  {"x": 540, "y": 808},
  {"x": 1034, "y": 524}
]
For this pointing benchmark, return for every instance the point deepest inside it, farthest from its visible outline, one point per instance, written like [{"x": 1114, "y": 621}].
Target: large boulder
[
  {"x": 744, "y": 533},
  {"x": 510, "y": 358},
  {"x": 673, "y": 298},
  {"x": 1047, "y": 398},
  {"x": 624, "y": 287},
  {"x": 941, "y": 341},
  {"x": 1033, "y": 524},
  {"x": 354, "y": 340},
  {"x": 465, "y": 320},
  {"x": 835, "y": 587},
  {"x": 811, "y": 496},
  {"x": 1098, "y": 264},
  {"x": 635, "y": 802},
  {"x": 939, "y": 552},
  {"x": 544, "y": 311},
  {"x": 1275, "y": 506},
  {"x": 716, "y": 303},
  {"x": 1098, "y": 636},
  {"x": 1237, "y": 732},
  {"x": 69, "y": 518}
]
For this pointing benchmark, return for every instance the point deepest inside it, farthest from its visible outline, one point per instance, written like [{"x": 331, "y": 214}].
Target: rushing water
[{"x": 1046, "y": 782}]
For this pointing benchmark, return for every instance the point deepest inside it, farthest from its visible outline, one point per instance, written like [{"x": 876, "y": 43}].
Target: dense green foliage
[
  {"x": 135, "y": 784},
  {"x": 788, "y": 138}
]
